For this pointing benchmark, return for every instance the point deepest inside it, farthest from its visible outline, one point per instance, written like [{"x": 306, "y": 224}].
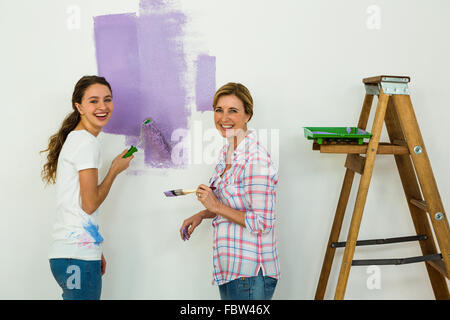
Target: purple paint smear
[
  {"x": 156, "y": 147},
  {"x": 205, "y": 82},
  {"x": 143, "y": 59}
]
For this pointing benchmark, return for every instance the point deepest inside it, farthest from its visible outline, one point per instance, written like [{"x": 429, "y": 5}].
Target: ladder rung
[
  {"x": 439, "y": 266},
  {"x": 383, "y": 148},
  {"x": 420, "y": 204},
  {"x": 381, "y": 241},
  {"x": 398, "y": 261}
]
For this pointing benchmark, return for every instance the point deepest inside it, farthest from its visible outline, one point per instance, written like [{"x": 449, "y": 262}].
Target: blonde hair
[{"x": 240, "y": 91}]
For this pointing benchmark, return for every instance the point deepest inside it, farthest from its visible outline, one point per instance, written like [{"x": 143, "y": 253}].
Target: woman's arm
[
  {"x": 215, "y": 207},
  {"x": 231, "y": 214},
  {"x": 206, "y": 214},
  {"x": 92, "y": 194},
  {"x": 189, "y": 225},
  {"x": 258, "y": 179}
]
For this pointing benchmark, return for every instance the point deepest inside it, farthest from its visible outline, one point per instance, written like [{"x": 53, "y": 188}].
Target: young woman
[
  {"x": 76, "y": 258},
  {"x": 245, "y": 254}
]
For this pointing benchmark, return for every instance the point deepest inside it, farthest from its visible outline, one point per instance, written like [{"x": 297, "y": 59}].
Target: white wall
[{"x": 303, "y": 62}]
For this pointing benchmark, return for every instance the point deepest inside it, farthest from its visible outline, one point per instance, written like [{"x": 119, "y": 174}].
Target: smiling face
[
  {"x": 229, "y": 116},
  {"x": 96, "y": 108}
]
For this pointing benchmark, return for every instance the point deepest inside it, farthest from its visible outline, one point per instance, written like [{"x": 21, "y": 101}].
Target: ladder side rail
[
  {"x": 362, "y": 195},
  {"x": 412, "y": 193},
  {"x": 341, "y": 208},
  {"x": 425, "y": 174}
]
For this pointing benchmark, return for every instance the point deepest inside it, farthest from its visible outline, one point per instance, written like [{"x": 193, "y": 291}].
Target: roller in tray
[{"x": 346, "y": 134}]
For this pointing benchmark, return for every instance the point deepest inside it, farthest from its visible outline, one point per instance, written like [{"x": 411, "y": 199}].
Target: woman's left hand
[
  {"x": 103, "y": 265},
  {"x": 207, "y": 197}
]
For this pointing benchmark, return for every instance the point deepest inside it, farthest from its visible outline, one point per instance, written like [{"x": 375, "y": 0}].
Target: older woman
[{"x": 245, "y": 256}]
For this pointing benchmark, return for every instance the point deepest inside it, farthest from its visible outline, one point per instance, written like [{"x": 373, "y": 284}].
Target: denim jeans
[
  {"x": 252, "y": 288},
  {"x": 79, "y": 279}
]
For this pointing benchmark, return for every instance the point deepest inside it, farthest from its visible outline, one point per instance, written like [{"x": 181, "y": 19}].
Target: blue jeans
[
  {"x": 252, "y": 288},
  {"x": 79, "y": 279}
]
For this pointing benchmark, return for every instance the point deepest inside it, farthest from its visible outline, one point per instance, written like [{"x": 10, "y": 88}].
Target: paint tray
[{"x": 348, "y": 134}]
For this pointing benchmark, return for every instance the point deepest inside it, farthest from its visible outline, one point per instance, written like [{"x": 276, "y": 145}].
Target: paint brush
[
  {"x": 181, "y": 192},
  {"x": 133, "y": 149}
]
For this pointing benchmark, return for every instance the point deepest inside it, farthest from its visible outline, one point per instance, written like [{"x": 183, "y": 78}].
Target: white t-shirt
[{"x": 75, "y": 233}]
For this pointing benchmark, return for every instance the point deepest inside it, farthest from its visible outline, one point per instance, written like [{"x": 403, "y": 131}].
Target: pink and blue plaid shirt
[{"x": 249, "y": 186}]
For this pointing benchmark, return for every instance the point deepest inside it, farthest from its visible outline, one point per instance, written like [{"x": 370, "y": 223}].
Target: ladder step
[
  {"x": 378, "y": 79},
  {"x": 381, "y": 241},
  {"x": 439, "y": 266},
  {"x": 398, "y": 261},
  {"x": 419, "y": 204},
  {"x": 383, "y": 148}
]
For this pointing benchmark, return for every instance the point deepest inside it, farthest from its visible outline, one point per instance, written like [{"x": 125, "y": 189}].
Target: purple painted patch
[
  {"x": 162, "y": 71},
  {"x": 205, "y": 83},
  {"x": 117, "y": 54},
  {"x": 143, "y": 59}
]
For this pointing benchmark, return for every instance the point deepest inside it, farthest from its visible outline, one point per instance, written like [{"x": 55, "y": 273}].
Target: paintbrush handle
[{"x": 187, "y": 191}]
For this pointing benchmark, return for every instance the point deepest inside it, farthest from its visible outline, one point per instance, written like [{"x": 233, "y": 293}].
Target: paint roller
[
  {"x": 133, "y": 149},
  {"x": 154, "y": 134}
]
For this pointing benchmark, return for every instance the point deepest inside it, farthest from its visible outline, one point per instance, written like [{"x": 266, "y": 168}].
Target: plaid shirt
[{"x": 248, "y": 186}]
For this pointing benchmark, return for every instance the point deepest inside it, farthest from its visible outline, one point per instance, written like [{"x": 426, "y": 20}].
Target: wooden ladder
[{"x": 406, "y": 144}]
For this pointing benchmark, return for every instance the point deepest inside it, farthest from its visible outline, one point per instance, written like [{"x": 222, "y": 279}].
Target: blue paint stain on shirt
[{"x": 92, "y": 230}]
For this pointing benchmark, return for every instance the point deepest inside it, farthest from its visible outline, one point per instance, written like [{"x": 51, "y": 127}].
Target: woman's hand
[
  {"x": 103, "y": 265},
  {"x": 207, "y": 197},
  {"x": 189, "y": 225},
  {"x": 119, "y": 164}
]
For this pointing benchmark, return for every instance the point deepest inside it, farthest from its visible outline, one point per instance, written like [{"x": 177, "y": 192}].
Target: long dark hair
[{"x": 57, "y": 140}]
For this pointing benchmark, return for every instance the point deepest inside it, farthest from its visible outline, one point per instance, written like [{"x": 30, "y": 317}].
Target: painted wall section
[
  {"x": 144, "y": 60},
  {"x": 205, "y": 83}
]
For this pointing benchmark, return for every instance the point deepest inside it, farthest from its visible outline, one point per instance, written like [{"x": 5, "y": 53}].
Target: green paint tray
[{"x": 350, "y": 134}]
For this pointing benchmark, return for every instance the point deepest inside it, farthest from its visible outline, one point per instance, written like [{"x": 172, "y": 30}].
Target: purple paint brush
[{"x": 181, "y": 192}]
